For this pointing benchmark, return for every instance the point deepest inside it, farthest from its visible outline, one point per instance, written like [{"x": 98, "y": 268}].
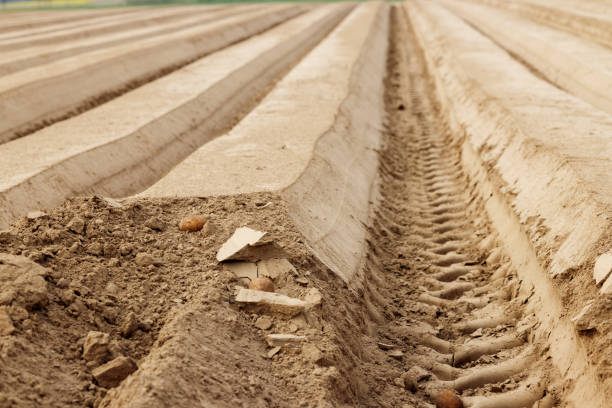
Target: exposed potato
[
  {"x": 448, "y": 399},
  {"x": 262, "y": 283},
  {"x": 192, "y": 223}
]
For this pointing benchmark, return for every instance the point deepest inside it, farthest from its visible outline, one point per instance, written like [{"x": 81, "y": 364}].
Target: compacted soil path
[{"x": 457, "y": 309}]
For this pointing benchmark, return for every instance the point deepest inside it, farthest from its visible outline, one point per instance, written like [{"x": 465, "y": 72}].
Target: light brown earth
[{"x": 433, "y": 179}]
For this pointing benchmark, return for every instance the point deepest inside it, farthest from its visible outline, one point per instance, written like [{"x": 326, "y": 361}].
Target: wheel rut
[{"x": 457, "y": 308}]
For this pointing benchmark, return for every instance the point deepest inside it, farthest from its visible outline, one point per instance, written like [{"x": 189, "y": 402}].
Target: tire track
[{"x": 457, "y": 305}]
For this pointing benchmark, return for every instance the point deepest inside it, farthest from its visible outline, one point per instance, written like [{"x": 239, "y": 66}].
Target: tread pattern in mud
[{"x": 460, "y": 307}]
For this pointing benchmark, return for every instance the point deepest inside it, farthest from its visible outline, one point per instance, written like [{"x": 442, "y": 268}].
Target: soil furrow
[
  {"x": 457, "y": 304},
  {"x": 28, "y": 56},
  {"x": 37, "y": 97},
  {"x": 428, "y": 214},
  {"x": 28, "y": 20},
  {"x": 130, "y": 155},
  {"x": 579, "y": 18},
  {"x": 532, "y": 186},
  {"x": 578, "y": 66},
  {"x": 142, "y": 19}
]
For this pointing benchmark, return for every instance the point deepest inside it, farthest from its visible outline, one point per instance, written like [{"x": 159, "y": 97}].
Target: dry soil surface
[{"x": 425, "y": 238}]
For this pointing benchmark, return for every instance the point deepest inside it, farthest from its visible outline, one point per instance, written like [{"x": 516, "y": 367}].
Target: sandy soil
[
  {"x": 22, "y": 53},
  {"x": 360, "y": 344},
  {"x": 439, "y": 207},
  {"x": 102, "y": 74}
]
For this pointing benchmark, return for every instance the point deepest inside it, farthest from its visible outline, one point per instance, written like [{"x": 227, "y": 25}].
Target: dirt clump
[
  {"x": 137, "y": 295},
  {"x": 112, "y": 373}
]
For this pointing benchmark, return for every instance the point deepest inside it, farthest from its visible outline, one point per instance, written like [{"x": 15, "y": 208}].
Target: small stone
[
  {"x": 396, "y": 354},
  {"x": 447, "y": 399},
  {"x": 270, "y": 302},
  {"x": 399, "y": 382},
  {"x": 247, "y": 244},
  {"x": 241, "y": 238},
  {"x": 603, "y": 267},
  {"x": 192, "y": 223},
  {"x": 6, "y": 324},
  {"x": 262, "y": 283},
  {"x": 22, "y": 281},
  {"x": 274, "y": 340},
  {"x": 96, "y": 347},
  {"x": 130, "y": 325},
  {"x": 272, "y": 352},
  {"x": 32, "y": 215},
  {"x": 76, "y": 225},
  {"x": 263, "y": 323},
  {"x": 112, "y": 373},
  {"x": 385, "y": 346},
  {"x": 155, "y": 224}
]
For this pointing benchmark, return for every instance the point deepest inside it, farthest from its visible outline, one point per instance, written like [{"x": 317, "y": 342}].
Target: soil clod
[
  {"x": 96, "y": 347},
  {"x": 112, "y": 373},
  {"x": 6, "y": 324}
]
